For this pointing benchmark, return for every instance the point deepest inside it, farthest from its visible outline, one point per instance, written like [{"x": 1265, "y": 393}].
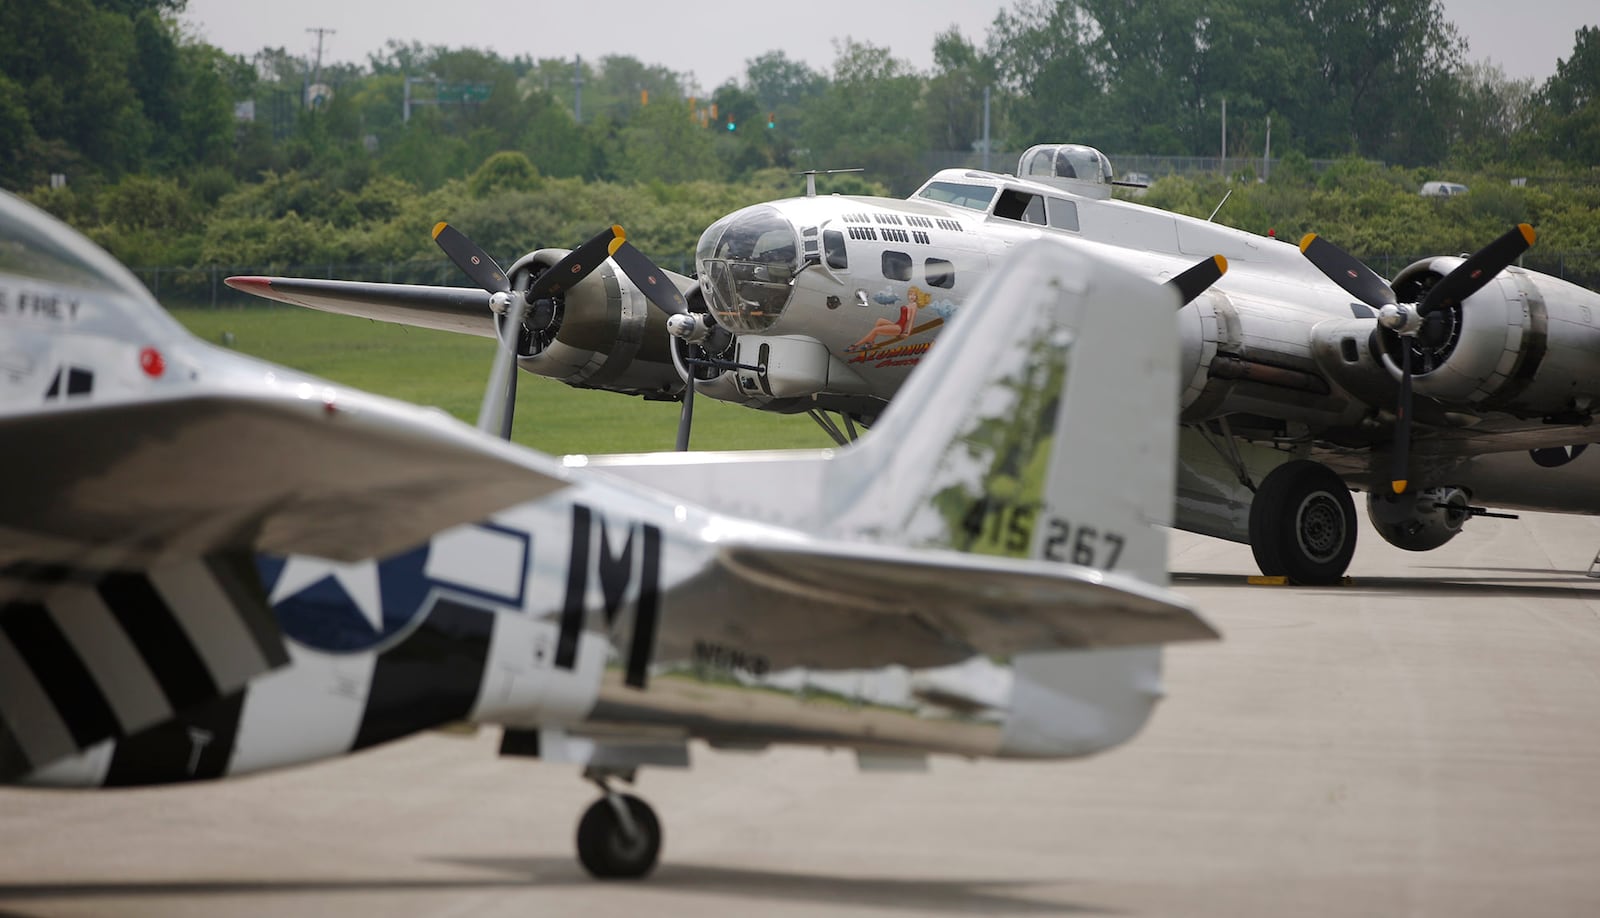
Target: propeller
[
  {"x": 699, "y": 332},
  {"x": 1197, "y": 280},
  {"x": 500, "y": 396},
  {"x": 1408, "y": 320},
  {"x": 499, "y": 400}
]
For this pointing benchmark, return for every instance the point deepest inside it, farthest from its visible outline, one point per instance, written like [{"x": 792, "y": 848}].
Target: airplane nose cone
[{"x": 748, "y": 261}]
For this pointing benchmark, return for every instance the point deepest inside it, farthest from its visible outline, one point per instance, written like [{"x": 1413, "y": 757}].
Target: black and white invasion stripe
[{"x": 90, "y": 657}]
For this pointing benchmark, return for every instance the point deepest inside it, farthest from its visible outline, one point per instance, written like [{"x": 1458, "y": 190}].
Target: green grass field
[{"x": 450, "y": 371}]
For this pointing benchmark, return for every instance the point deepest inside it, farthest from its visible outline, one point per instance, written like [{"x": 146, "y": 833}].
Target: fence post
[{"x": 213, "y": 286}]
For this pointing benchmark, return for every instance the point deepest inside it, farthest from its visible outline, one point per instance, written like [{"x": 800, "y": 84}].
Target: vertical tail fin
[{"x": 1042, "y": 425}]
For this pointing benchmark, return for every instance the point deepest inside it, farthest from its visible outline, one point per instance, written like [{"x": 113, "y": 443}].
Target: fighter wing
[
  {"x": 298, "y": 468},
  {"x": 453, "y": 309},
  {"x": 916, "y": 608}
]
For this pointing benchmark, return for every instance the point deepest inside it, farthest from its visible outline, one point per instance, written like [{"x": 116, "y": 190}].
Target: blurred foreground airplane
[
  {"x": 1464, "y": 381},
  {"x": 211, "y": 566}
]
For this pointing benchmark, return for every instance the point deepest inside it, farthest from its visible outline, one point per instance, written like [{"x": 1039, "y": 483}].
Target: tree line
[{"x": 174, "y": 152}]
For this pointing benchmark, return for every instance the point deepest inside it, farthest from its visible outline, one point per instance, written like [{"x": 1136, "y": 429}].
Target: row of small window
[{"x": 896, "y": 265}]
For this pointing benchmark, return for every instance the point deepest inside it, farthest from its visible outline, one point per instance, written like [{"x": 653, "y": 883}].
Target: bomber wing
[{"x": 453, "y": 309}]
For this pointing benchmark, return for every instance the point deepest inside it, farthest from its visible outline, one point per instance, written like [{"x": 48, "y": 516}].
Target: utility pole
[
  {"x": 577, "y": 88},
  {"x": 1224, "y": 137},
  {"x": 1266, "y": 157},
  {"x": 986, "y": 129},
  {"x": 316, "y": 71}
]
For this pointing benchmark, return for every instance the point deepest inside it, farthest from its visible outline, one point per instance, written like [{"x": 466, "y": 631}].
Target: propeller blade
[
  {"x": 1347, "y": 271},
  {"x": 499, "y": 397},
  {"x": 1198, "y": 279},
  {"x": 1478, "y": 269},
  {"x": 578, "y": 264},
  {"x": 650, "y": 279},
  {"x": 1398, "y": 470},
  {"x": 470, "y": 258}
]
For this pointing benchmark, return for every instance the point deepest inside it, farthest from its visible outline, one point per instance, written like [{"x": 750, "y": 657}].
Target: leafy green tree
[
  {"x": 953, "y": 103},
  {"x": 779, "y": 84},
  {"x": 869, "y": 117},
  {"x": 662, "y": 143},
  {"x": 1386, "y": 74},
  {"x": 1493, "y": 113},
  {"x": 1043, "y": 52},
  {"x": 505, "y": 171},
  {"x": 1568, "y": 114}
]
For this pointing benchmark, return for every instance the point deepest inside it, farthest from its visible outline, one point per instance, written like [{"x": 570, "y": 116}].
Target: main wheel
[
  {"x": 1303, "y": 524},
  {"x": 605, "y": 847}
]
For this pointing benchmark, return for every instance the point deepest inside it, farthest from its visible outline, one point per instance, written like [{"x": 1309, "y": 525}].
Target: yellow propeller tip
[
  {"x": 439, "y": 228},
  {"x": 1222, "y": 263},
  {"x": 1305, "y": 241},
  {"x": 1527, "y": 232},
  {"x": 1399, "y": 486}
]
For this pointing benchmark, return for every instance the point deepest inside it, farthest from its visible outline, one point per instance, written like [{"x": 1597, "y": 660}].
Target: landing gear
[
  {"x": 619, "y": 837},
  {"x": 1303, "y": 524}
]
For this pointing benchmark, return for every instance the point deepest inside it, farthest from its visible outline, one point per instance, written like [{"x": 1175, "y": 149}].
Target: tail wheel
[{"x": 1303, "y": 524}]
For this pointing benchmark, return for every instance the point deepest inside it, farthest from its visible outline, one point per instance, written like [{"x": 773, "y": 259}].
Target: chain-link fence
[
  {"x": 203, "y": 286},
  {"x": 1581, "y": 268},
  {"x": 1125, "y": 163}
]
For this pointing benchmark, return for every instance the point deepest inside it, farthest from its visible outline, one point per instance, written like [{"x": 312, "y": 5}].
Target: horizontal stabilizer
[
  {"x": 302, "y": 469},
  {"x": 452, "y": 309},
  {"x": 855, "y": 605}
]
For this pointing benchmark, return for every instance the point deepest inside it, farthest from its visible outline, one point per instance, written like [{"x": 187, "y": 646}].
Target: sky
[{"x": 712, "y": 39}]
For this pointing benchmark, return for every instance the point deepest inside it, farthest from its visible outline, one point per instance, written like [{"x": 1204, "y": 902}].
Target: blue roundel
[{"x": 323, "y": 615}]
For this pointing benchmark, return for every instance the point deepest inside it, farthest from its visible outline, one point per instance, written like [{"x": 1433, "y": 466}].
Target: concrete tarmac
[{"x": 1425, "y": 741}]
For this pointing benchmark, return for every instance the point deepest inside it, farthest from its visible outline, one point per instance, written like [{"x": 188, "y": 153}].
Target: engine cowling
[
  {"x": 601, "y": 334},
  {"x": 1525, "y": 343},
  {"x": 1418, "y": 520}
]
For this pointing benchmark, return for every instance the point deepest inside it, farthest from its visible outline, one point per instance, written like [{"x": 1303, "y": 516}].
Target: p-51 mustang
[
  {"x": 211, "y": 566},
  {"x": 1464, "y": 382}
]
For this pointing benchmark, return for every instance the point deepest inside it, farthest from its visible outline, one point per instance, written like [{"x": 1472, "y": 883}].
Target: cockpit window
[
  {"x": 1063, "y": 214},
  {"x": 1019, "y": 205},
  {"x": 33, "y": 246},
  {"x": 976, "y": 197}
]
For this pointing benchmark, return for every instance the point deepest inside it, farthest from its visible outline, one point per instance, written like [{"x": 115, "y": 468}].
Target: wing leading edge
[
  {"x": 454, "y": 309},
  {"x": 305, "y": 469}
]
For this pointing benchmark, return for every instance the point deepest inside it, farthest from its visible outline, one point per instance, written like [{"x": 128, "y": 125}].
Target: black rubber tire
[
  {"x": 606, "y": 852},
  {"x": 1303, "y": 524}
]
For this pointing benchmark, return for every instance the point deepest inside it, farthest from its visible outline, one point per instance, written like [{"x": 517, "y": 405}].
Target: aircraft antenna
[
  {"x": 811, "y": 178},
  {"x": 1219, "y": 205}
]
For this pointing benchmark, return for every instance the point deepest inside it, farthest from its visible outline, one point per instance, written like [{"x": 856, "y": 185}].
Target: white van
[{"x": 1442, "y": 189}]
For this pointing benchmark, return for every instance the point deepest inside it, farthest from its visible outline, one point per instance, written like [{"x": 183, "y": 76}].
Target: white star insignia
[{"x": 359, "y": 582}]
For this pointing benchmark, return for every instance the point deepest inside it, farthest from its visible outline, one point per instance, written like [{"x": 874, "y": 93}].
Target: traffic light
[
  {"x": 731, "y": 124},
  {"x": 772, "y": 121}
]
